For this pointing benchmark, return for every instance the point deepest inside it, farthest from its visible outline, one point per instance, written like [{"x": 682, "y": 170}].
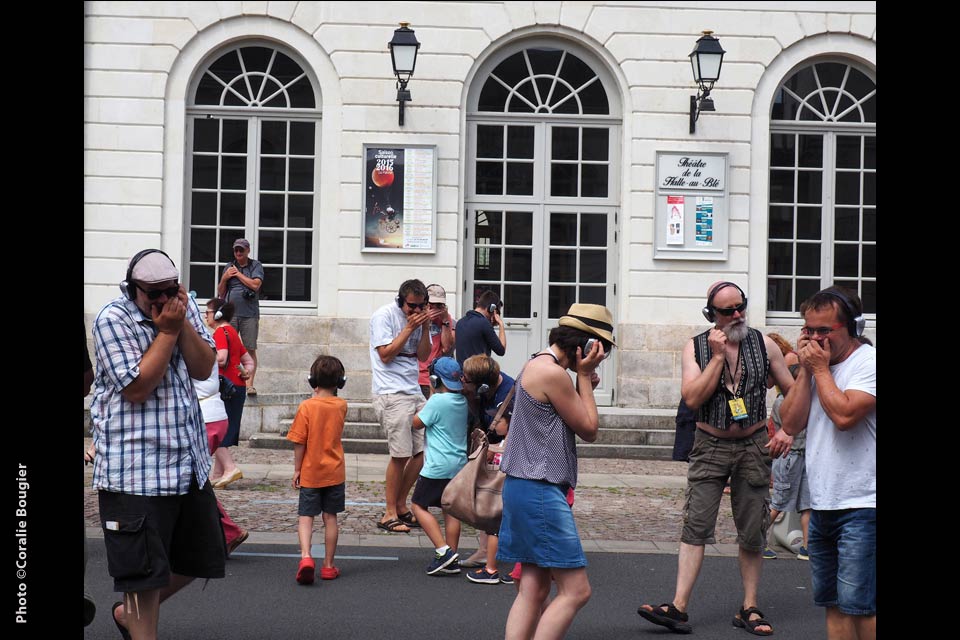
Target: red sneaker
[
  {"x": 305, "y": 571},
  {"x": 329, "y": 573}
]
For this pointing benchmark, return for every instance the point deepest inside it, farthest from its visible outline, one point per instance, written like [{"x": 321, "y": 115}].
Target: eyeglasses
[
  {"x": 415, "y": 305},
  {"x": 729, "y": 312},
  {"x": 820, "y": 331},
  {"x": 153, "y": 294},
  {"x": 437, "y": 305}
]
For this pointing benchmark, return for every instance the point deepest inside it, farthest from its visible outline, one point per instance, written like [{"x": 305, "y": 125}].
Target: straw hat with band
[{"x": 594, "y": 319}]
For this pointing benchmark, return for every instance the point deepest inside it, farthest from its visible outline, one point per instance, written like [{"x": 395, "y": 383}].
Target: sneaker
[
  {"x": 803, "y": 554},
  {"x": 480, "y": 576},
  {"x": 443, "y": 560},
  {"x": 506, "y": 578},
  {"x": 453, "y": 567},
  {"x": 769, "y": 554}
]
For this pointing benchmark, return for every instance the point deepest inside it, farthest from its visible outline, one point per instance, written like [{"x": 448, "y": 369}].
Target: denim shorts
[
  {"x": 538, "y": 526},
  {"x": 330, "y": 499},
  {"x": 791, "y": 492},
  {"x": 843, "y": 560}
]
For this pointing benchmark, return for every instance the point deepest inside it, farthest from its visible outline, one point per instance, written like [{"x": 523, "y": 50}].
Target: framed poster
[
  {"x": 691, "y": 206},
  {"x": 399, "y": 199}
]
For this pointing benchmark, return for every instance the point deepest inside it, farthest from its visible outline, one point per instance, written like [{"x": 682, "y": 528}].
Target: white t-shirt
[
  {"x": 208, "y": 391},
  {"x": 842, "y": 465},
  {"x": 400, "y": 376}
]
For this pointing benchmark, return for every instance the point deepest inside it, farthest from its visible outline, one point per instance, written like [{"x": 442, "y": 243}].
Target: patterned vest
[{"x": 753, "y": 382}]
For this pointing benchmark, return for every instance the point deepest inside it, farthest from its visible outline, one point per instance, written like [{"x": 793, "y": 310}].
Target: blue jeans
[{"x": 843, "y": 560}]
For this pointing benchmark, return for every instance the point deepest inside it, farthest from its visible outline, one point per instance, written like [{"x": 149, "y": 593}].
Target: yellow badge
[{"x": 738, "y": 409}]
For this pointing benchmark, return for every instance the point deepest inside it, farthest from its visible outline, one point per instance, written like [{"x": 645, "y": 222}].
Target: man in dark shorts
[
  {"x": 159, "y": 515},
  {"x": 240, "y": 284}
]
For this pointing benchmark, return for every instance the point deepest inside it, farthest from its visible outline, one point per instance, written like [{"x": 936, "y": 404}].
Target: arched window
[
  {"x": 823, "y": 186},
  {"x": 253, "y": 135},
  {"x": 542, "y": 192}
]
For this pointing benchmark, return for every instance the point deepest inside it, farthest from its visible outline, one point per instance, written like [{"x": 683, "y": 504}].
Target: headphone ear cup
[
  {"x": 859, "y": 324},
  {"x": 218, "y": 314},
  {"x": 312, "y": 382},
  {"x": 708, "y": 314},
  {"x": 342, "y": 382}
]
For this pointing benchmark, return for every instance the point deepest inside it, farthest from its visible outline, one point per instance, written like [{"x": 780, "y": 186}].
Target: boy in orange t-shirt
[{"x": 318, "y": 467}]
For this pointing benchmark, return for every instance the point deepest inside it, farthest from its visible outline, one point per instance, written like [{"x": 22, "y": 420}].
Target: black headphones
[
  {"x": 399, "y": 297},
  {"x": 855, "y": 321},
  {"x": 434, "y": 378},
  {"x": 127, "y": 287},
  {"x": 341, "y": 380},
  {"x": 708, "y": 311}
]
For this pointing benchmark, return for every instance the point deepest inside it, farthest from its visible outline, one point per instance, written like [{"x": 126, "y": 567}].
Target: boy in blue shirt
[{"x": 445, "y": 452}]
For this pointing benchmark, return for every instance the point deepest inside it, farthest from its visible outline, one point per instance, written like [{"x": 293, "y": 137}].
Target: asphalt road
[{"x": 384, "y": 593}]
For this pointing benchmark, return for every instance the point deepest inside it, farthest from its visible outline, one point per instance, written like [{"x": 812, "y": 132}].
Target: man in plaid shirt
[{"x": 158, "y": 511}]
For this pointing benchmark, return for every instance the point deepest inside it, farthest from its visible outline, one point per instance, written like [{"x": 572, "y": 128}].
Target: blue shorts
[
  {"x": 843, "y": 560},
  {"x": 538, "y": 526},
  {"x": 791, "y": 491}
]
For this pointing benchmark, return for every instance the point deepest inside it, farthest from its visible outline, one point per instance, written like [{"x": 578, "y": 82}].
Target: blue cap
[{"x": 450, "y": 372}]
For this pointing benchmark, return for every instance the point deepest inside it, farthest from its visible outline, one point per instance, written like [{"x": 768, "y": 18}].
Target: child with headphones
[
  {"x": 319, "y": 471},
  {"x": 444, "y": 419}
]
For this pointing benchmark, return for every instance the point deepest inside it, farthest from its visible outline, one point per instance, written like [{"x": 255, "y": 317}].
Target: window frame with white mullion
[
  {"x": 296, "y": 248},
  {"x": 847, "y": 217}
]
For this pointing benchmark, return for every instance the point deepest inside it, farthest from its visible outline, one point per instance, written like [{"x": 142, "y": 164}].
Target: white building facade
[{"x": 552, "y": 128}]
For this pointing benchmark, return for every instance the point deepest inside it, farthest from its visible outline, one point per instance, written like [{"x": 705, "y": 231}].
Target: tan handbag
[{"x": 475, "y": 494}]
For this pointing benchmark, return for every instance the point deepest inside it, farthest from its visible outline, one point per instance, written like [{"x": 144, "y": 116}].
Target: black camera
[{"x": 249, "y": 294}]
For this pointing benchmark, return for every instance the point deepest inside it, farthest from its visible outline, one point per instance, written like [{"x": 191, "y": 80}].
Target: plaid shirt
[{"x": 153, "y": 448}]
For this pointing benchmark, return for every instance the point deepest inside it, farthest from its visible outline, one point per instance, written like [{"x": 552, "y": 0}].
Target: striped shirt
[
  {"x": 755, "y": 368},
  {"x": 540, "y": 445},
  {"x": 153, "y": 448}
]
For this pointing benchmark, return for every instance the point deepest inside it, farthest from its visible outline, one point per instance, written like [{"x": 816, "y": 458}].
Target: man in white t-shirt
[
  {"x": 835, "y": 398},
  {"x": 397, "y": 343}
]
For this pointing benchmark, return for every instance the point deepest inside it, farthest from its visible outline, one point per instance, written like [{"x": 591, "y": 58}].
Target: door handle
[{"x": 517, "y": 324}]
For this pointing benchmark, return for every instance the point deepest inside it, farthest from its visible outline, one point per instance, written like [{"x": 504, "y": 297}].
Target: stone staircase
[
  {"x": 642, "y": 434},
  {"x": 645, "y": 434}
]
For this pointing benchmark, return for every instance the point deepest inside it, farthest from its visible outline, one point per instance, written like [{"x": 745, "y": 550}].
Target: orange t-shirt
[{"x": 319, "y": 426}]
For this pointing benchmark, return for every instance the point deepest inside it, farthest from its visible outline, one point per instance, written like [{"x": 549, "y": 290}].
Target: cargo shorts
[
  {"x": 395, "y": 412},
  {"x": 747, "y": 464}
]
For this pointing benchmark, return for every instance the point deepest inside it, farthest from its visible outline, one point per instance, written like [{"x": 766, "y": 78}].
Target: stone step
[
  {"x": 636, "y": 436},
  {"x": 377, "y": 445}
]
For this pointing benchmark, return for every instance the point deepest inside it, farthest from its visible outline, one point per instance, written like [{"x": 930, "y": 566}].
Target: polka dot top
[{"x": 540, "y": 445}]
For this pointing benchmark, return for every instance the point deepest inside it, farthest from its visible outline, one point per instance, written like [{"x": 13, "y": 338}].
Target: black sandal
[
  {"x": 409, "y": 519},
  {"x": 743, "y": 621},
  {"x": 672, "y": 618}
]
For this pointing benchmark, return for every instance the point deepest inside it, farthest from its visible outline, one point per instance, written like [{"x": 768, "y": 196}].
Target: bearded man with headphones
[
  {"x": 835, "y": 398},
  {"x": 399, "y": 341},
  {"x": 726, "y": 371},
  {"x": 161, "y": 527}
]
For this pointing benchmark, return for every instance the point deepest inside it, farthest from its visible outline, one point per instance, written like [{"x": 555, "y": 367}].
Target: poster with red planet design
[{"x": 398, "y": 206}]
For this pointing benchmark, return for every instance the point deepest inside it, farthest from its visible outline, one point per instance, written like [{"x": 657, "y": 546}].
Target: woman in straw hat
[{"x": 540, "y": 460}]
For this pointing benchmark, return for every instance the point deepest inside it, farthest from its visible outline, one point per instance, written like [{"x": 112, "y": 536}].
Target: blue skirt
[{"x": 538, "y": 526}]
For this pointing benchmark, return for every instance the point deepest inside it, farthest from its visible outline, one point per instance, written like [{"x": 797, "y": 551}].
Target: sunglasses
[
  {"x": 156, "y": 293},
  {"x": 414, "y": 305},
  {"x": 239, "y": 249},
  {"x": 820, "y": 331},
  {"x": 730, "y": 311}
]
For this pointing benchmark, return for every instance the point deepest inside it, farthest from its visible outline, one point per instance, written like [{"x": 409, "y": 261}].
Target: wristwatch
[{"x": 446, "y": 323}]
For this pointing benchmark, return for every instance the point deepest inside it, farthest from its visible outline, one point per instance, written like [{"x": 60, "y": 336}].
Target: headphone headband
[
  {"x": 855, "y": 321},
  {"x": 127, "y": 287},
  {"x": 708, "y": 311}
]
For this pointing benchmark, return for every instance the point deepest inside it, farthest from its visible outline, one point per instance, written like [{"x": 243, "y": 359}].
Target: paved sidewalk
[{"x": 624, "y": 506}]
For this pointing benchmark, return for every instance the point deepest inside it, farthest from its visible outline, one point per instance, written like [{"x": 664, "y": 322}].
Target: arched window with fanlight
[
  {"x": 253, "y": 134},
  {"x": 823, "y": 186},
  {"x": 542, "y": 193}
]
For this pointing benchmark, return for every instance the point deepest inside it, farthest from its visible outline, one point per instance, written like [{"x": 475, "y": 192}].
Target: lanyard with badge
[{"x": 738, "y": 409}]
